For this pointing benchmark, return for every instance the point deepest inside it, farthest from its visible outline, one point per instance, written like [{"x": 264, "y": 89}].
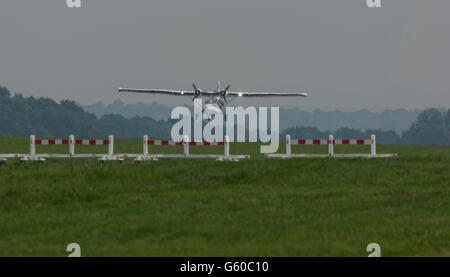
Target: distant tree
[
  {"x": 135, "y": 127},
  {"x": 428, "y": 129},
  {"x": 23, "y": 116},
  {"x": 98, "y": 109},
  {"x": 305, "y": 132},
  {"x": 4, "y": 92},
  {"x": 349, "y": 133},
  {"x": 155, "y": 110},
  {"x": 117, "y": 105},
  {"x": 447, "y": 120},
  {"x": 385, "y": 137},
  {"x": 70, "y": 105}
]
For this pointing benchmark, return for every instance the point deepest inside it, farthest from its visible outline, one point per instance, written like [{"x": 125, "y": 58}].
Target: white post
[
  {"x": 71, "y": 145},
  {"x": 32, "y": 145},
  {"x": 227, "y": 146},
  {"x": 145, "y": 145},
  {"x": 331, "y": 146},
  {"x": 111, "y": 145},
  {"x": 288, "y": 145},
  {"x": 186, "y": 145},
  {"x": 373, "y": 146}
]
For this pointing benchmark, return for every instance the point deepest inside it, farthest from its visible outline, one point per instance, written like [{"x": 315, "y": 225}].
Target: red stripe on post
[
  {"x": 92, "y": 142},
  {"x": 345, "y": 141},
  {"x": 206, "y": 143},
  {"x": 193, "y": 143},
  {"x": 164, "y": 142},
  {"x": 220, "y": 143},
  {"x": 79, "y": 141},
  {"x": 316, "y": 141},
  {"x": 302, "y": 141},
  {"x": 105, "y": 142},
  {"x": 179, "y": 142},
  {"x": 150, "y": 142},
  {"x": 38, "y": 141},
  {"x": 360, "y": 141},
  {"x": 51, "y": 141},
  {"x": 65, "y": 141}
]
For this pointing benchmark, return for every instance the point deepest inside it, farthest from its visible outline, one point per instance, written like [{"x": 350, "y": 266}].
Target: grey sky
[{"x": 347, "y": 55}]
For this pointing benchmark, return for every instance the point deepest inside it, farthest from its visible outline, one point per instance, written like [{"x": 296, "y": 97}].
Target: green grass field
[{"x": 256, "y": 207}]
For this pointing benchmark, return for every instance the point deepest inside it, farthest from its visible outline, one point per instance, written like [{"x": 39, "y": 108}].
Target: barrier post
[
  {"x": 288, "y": 145},
  {"x": 71, "y": 145},
  {"x": 186, "y": 145},
  {"x": 32, "y": 145},
  {"x": 111, "y": 145},
  {"x": 331, "y": 146},
  {"x": 373, "y": 146},
  {"x": 227, "y": 146},
  {"x": 145, "y": 145}
]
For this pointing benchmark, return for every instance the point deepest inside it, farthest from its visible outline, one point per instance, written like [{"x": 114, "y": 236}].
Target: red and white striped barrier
[
  {"x": 5, "y": 157},
  {"x": 71, "y": 141},
  {"x": 172, "y": 143},
  {"x": 186, "y": 144},
  {"x": 326, "y": 141},
  {"x": 331, "y": 142}
]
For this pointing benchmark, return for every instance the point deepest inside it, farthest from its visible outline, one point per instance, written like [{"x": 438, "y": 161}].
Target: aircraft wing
[
  {"x": 158, "y": 91},
  {"x": 265, "y": 94}
]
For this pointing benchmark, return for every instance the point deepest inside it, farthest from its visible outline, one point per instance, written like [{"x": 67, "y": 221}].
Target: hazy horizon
[
  {"x": 307, "y": 109},
  {"x": 346, "y": 55}
]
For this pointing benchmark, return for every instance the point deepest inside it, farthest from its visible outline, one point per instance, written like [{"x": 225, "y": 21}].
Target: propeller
[
  {"x": 224, "y": 93},
  {"x": 197, "y": 92}
]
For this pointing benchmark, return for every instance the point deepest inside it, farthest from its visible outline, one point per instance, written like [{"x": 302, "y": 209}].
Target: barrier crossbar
[
  {"x": 186, "y": 143},
  {"x": 331, "y": 142},
  {"x": 71, "y": 142}
]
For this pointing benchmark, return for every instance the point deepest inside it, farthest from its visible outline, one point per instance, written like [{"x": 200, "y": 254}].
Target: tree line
[
  {"x": 431, "y": 127},
  {"x": 22, "y": 116},
  {"x": 388, "y": 119}
]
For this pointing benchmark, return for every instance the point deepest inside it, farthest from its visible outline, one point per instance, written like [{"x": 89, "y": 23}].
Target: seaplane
[{"x": 217, "y": 99}]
